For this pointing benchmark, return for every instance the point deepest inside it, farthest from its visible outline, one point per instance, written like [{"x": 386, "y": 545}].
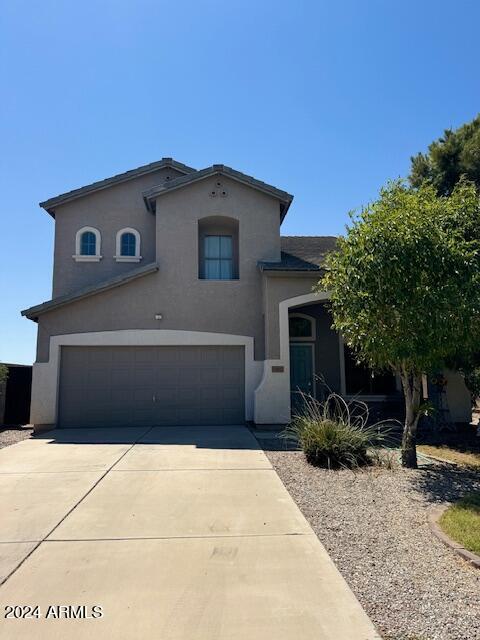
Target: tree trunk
[{"x": 412, "y": 385}]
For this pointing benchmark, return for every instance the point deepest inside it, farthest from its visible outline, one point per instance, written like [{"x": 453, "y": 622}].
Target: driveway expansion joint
[{"x": 95, "y": 484}]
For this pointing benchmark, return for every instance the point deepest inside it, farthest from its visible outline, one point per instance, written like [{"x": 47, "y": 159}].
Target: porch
[{"x": 320, "y": 363}]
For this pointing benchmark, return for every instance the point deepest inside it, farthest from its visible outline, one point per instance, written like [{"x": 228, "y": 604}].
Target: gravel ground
[
  {"x": 374, "y": 525},
  {"x": 11, "y": 435}
]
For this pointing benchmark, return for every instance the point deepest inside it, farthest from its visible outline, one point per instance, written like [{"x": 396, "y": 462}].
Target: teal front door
[{"x": 301, "y": 373}]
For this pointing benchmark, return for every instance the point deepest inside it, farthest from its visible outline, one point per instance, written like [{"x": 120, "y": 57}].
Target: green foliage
[
  {"x": 3, "y": 373},
  {"x": 453, "y": 156},
  {"x": 334, "y": 434},
  {"x": 472, "y": 382},
  {"x": 461, "y": 522},
  {"x": 405, "y": 281}
]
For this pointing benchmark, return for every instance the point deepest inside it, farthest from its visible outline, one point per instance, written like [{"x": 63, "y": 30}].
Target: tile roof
[
  {"x": 51, "y": 203},
  {"x": 33, "y": 312},
  {"x": 218, "y": 169},
  {"x": 301, "y": 253}
]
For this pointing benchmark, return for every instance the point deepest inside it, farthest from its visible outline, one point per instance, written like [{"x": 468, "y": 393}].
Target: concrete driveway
[{"x": 177, "y": 533}]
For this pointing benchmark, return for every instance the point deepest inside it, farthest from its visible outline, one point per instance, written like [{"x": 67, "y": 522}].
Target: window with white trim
[
  {"x": 301, "y": 327},
  {"x": 87, "y": 245},
  {"x": 127, "y": 245}
]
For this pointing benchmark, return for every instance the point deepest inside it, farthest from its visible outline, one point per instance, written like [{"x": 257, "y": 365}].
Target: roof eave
[
  {"x": 50, "y": 204},
  {"x": 32, "y": 313},
  {"x": 293, "y": 273},
  {"x": 152, "y": 194}
]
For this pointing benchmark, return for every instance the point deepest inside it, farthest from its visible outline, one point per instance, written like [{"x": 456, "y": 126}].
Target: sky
[{"x": 326, "y": 100}]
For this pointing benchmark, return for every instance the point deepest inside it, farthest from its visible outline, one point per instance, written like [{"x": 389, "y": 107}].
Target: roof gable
[
  {"x": 50, "y": 204},
  {"x": 152, "y": 194}
]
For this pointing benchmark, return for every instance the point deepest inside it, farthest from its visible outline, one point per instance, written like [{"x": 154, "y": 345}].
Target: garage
[{"x": 142, "y": 386}]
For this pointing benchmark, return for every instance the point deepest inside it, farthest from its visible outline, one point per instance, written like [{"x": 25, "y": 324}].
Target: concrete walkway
[{"x": 177, "y": 533}]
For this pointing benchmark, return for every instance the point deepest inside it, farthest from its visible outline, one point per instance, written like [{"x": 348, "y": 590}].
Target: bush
[{"x": 335, "y": 434}]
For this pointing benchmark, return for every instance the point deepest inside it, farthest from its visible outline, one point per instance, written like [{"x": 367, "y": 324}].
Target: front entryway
[
  {"x": 301, "y": 372},
  {"x": 152, "y": 385}
]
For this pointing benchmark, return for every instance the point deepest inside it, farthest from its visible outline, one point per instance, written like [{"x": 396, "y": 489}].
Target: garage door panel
[
  {"x": 209, "y": 395},
  {"x": 168, "y": 356},
  {"x": 121, "y": 378},
  {"x": 211, "y": 376},
  {"x": 142, "y": 371},
  {"x": 231, "y": 377},
  {"x": 232, "y": 416},
  {"x": 144, "y": 356},
  {"x": 141, "y": 418},
  {"x": 190, "y": 396},
  {"x": 165, "y": 416},
  {"x": 231, "y": 395},
  {"x": 139, "y": 397},
  {"x": 141, "y": 386},
  {"x": 167, "y": 379},
  {"x": 189, "y": 377}
]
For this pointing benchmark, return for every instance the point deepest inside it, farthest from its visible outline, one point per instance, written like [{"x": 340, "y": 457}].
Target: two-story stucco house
[{"x": 176, "y": 301}]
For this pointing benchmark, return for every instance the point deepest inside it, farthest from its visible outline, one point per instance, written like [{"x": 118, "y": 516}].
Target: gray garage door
[{"x": 137, "y": 386}]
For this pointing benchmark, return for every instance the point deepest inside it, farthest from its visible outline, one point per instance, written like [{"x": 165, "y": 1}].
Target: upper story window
[
  {"x": 128, "y": 246},
  {"x": 218, "y": 257},
  {"x": 218, "y": 248},
  {"x": 87, "y": 245}
]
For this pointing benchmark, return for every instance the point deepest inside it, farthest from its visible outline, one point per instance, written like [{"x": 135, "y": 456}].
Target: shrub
[{"x": 334, "y": 433}]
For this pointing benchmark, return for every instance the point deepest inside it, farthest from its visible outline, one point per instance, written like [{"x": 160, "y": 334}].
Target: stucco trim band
[{"x": 45, "y": 382}]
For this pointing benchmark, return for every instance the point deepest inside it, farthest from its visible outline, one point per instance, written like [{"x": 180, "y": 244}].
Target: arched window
[
  {"x": 218, "y": 248},
  {"x": 301, "y": 327},
  {"x": 87, "y": 245},
  {"x": 128, "y": 245}
]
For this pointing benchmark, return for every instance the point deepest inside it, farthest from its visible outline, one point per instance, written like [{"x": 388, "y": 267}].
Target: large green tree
[
  {"x": 453, "y": 156},
  {"x": 404, "y": 286}
]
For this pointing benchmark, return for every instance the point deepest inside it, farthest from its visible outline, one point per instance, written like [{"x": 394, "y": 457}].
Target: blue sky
[{"x": 326, "y": 100}]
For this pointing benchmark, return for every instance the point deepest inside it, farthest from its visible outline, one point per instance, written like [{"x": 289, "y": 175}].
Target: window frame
[
  {"x": 365, "y": 397},
  {"x": 313, "y": 328},
  {"x": 78, "y": 255},
  {"x": 118, "y": 246},
  {"x": 219, "y": 260},
  {"x": 218, "y": 225}
]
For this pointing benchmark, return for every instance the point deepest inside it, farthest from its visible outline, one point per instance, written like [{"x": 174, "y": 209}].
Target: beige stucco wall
[
  {"x": 108, "y": 211},
  {"x": 278, "y": 288},
  {"x": 175, "y": 291},
  {"x": 458, "y": 397}
]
